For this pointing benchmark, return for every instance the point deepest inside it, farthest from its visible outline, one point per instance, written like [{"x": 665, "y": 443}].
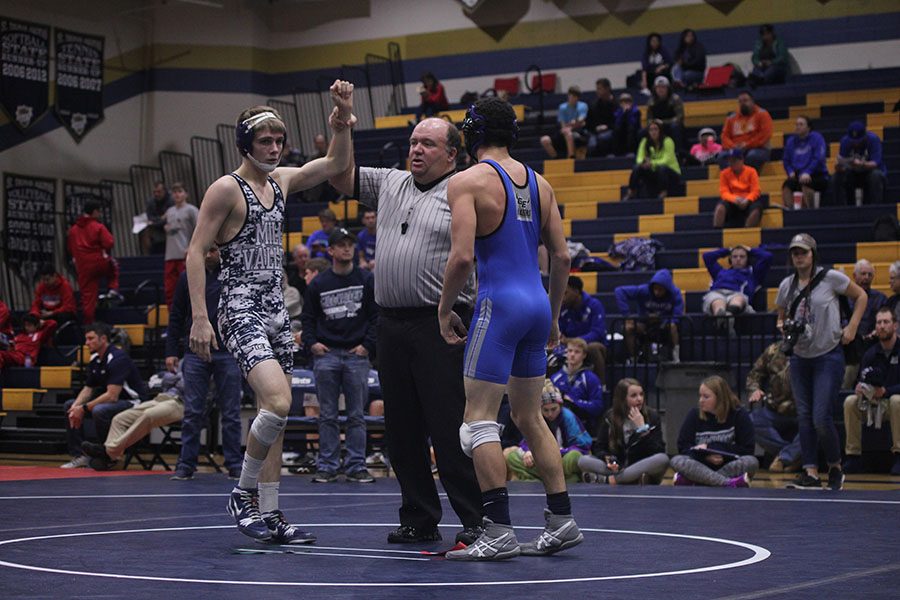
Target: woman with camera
[{"x": 809, "y": 316}]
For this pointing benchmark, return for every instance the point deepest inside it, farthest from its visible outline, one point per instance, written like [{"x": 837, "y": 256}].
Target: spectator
[
  {"x": 318, "y": 241},
  {"x": 627, "y": 126},
  {"x": 863, "y": 275},
  {"x": 180, "y": 220},
  {"x": 655, "y": 62},
  {"x": 292, "y": 157},
  {"x": 690, "y": 61},
  {"x": 133, "y": 424},
  {"x": 860, "y": 169},
  {"x": 574, "y": 441},
  {"x": 716, "y": 441},
  {"x": 739, "y": 203},
  {"x": 153, "y": 237},
  {"x": 749, "y": 130},
  {"x": 601, "y": 120},
  {"x": 572, "y": 120},
  {"x": 656, "y": 172},
  {"x": 804, "y": 163},
  {"x": 434, "y": 98},
  {"x": 365, "y": 248},
  {"x": 580, "y": 387},
  {"x": 668, "y": 108},
  {"x": 296, "y": 268},
  {"x": 770, "y": 58},
  {"x": 775, "y": 420},
  {"x": 323, "y": 192},
  {"x": 877, "y": 392},
  {"x": 706, "y": 150},
  {"x": 631, "y": 432},
  {"x": 90, "y": 244},
  {"x": 5, "y": 320},
  {"x": 894, "y": 301},
  {"x": 732, "y": 289},
  {"x": 112, "y": 385},
  {"x": 25, "y": 347},
  {"x": 222, "y": 369},
  {"x": 338, "y": 320},
  {"x": 583, "y": 316},
  {"x": 314, "y": 266},
  {"x": 659, "y": 306},
  {"x": 53, "y": 297}
]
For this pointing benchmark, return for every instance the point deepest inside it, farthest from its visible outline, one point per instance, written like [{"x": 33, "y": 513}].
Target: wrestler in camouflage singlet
[{"x": 253, "y": 321}]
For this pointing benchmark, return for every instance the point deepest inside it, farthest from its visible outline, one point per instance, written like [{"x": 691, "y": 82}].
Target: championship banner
[
  {"x": 24, "y": 71},
  {"x": 76, "y": 194},
  {"x": 30, "y": 211},
  {"x": 79, "y": 81}
]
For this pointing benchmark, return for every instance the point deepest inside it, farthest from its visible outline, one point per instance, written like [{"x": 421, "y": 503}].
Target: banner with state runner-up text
[{"x": 79, "y": 81}]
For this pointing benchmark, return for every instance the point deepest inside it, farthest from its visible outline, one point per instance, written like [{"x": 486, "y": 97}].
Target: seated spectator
[
  {"x": 573, "y": 440},
  {"x": 581, "y": 389},
  {"x": 601, "y": 121},
  {"x": 894, "y": 301},
  {"x": 655, "y": 62},
  {"x": 716, "y": 441},
  {"x": 668, "y": 108},
  {"x": 112, "y": 384},
  {"x": 572, "y": 119},
  {"x": 863, "y": 275},
  {"x": 804, "y": 163},
  {"x": 323, "y": 192},
  {"x": 629, "y": 446},
  {"x": 659, "y": 306},
  {"x": 25, "y": 347},
  {"x": 627, "y": 126},
  {"x": 656, "y": 172},
  {"x": 292, "y": 157},
  {"x": 877, "y": 393},
  {"x": 706, "y": 150},
  {"x": 739, "y": 204},
  {"x": 434, "y": 98},
  {"x": 5, "y": 320},
  {"x": 860, "y": 172},
  {"x": 583, "y": 316},
  {"x": 770, "y": 58},
  {"x": 134, "y": 424},
  {"x": 732, "y": 289},
  {"x": 749, "y": 130},
  {"x": 296, "y": 268},
  {"x": 365, "y": 246},
  {"x": 690, "y": 61},
  {"x": 53, "y": 297},
  {"x": 775, "y": 419},
  {"x": 153, "y": 237},
  {"x": 318, "y": 240}
]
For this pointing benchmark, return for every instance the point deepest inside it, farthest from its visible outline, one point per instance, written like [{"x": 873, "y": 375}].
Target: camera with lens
[{"x": 792, "y": 330}]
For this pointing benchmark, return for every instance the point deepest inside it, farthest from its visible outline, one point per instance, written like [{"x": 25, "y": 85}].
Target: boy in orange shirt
[
  {"x": 750, "y": 130},
  {"x": 739, "y": 193}
]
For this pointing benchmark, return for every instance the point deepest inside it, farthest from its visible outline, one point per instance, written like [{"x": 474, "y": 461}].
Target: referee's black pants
[{"x": 422, "y": 385}]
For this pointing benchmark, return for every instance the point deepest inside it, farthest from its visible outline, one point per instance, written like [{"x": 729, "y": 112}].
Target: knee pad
[
  {"x": 476, "y": 433},
  {"x": 266, "y": 427}
]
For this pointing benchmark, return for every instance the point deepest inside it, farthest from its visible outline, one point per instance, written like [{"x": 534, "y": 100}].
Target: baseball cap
[
  {"x": 706, "y": 131},
  {"x": 803, "y": 240},
  {"x": 856, "y": 129},
  {"x": 736, "y": 153},
  {"x": 340, "y": 234},
  {"x": 661, "y": 80}
]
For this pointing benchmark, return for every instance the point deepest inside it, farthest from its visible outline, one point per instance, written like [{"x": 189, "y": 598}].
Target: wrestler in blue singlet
[{"x": 513, "y": 317}]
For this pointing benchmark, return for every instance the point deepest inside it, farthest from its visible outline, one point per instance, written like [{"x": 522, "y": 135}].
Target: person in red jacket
[
  {"x": 739, "y": 193},
  {"x": 749, "y": 130},
  {"x": 27, "y": 345},
  {"x": 53, "y": 297},
  {"x": 5, "y": 323},
  {"x": 434, "y": 98},
  {"x": 89, "y": 243}
]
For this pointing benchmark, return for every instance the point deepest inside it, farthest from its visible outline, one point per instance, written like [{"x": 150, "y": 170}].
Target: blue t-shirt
[
  {"x": 365, "y": 243},
  {"x": 321, "y": 238},
  {"x": 569, "y": 113}
]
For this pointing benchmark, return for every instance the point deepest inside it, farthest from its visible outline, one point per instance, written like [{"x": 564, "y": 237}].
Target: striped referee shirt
[{"x": 413, "y": 241}]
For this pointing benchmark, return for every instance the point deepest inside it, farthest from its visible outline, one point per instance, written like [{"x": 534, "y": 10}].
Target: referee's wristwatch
[{"x": 85, "y": 407}]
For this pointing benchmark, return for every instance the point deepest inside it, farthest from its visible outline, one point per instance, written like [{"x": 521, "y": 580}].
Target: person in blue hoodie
[
  {"x": 658, "y": 305},
  {"x": 583, "y": 316},
  {"x": 860, "y": 165},
  {"x": 581, "y": 389},
  {"x": 804, "y": 163},
  {"x": 732, "y": 289}
]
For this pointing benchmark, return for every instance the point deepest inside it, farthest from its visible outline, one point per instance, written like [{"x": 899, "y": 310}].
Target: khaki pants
[
  {"x": 853, "y": 424},
  {"x": 129, "y": 426}
]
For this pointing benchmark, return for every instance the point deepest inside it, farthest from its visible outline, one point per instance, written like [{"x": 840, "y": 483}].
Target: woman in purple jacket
[{"x": 804, "y": 163}]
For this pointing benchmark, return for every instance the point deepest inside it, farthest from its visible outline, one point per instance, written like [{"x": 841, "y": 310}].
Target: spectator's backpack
[
  {"x": 636, "y": 254},
  {"x": 886, "y": 229}
]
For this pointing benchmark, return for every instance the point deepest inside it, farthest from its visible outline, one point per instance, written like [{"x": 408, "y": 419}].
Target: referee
[{"x": 421, "y": 375}]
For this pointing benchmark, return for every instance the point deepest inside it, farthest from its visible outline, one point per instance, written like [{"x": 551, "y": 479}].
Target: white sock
[
  {"x": 250, "y": 472},
  {"x": 268, "y": 496}
]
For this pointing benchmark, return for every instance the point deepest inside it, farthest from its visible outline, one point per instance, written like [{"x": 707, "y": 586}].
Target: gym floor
[{"x": 136, "y": 534}]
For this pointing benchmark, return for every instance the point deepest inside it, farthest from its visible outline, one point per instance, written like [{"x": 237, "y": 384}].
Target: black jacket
[{"x": 639, "y": 446}]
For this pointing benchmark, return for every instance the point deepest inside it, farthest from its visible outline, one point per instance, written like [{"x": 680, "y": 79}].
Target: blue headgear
[
  {"x": 474, "y": 127},
  {"x": 243, "y": 133}
]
